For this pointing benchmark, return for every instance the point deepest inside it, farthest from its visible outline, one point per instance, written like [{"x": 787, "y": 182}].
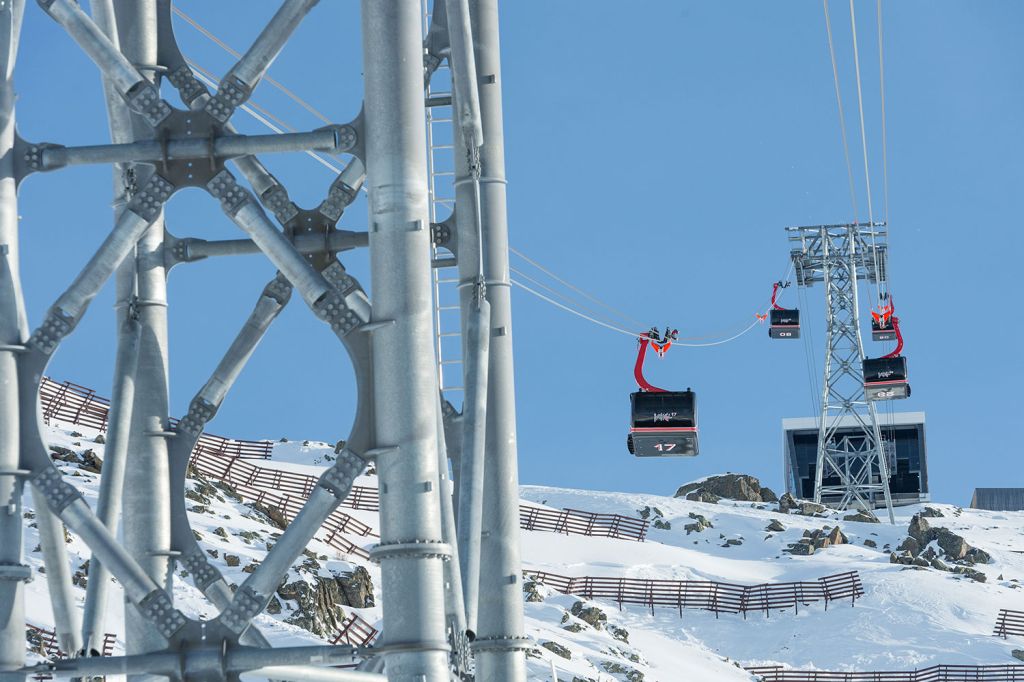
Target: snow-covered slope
[{"x": 909, "y": 617}]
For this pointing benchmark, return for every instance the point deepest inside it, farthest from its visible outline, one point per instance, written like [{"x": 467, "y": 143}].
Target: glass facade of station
[{"x": 903, "y": 440}]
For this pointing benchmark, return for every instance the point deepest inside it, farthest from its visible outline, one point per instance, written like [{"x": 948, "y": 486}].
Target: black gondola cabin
[
  {"x": 784, "y": 324},
  {"x": 880, "y": 333},
  {"x": 886, "y": 378},
  {"x": 664, "y": 424}
]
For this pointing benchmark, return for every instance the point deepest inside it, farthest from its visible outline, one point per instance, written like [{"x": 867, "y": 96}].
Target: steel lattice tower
[
  {"x": 840, "y": 256},
  {"x": 159, "y": 147}
]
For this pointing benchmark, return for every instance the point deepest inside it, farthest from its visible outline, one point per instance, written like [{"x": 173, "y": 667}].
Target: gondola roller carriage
[
  {"x": 881, "y": 324},
  {"x": 663, "y": 423},
  {"x": 885, "y": 378},
  {"x": 783, "y": 323}
]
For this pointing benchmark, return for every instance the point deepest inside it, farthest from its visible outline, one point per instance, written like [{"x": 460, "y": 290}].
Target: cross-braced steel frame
[
  {"x": 157, "y": 150},
  {"x": 839, "y": 256}
]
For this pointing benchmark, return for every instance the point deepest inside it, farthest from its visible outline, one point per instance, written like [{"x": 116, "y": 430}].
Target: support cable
[
  {"x": 842, "y": 116},
  {"x": 864, "y": 149},
  {"x": 881, "y": 83}
]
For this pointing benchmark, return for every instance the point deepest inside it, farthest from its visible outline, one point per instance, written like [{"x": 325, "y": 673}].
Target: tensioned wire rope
[{"x": 265, "y": 117}]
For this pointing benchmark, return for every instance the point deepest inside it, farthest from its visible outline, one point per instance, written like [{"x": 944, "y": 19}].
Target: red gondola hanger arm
[
  {"x": 899, "y": 338},
  {"x": 775, "y": 293},
  {"x": 638, "y": 368}
]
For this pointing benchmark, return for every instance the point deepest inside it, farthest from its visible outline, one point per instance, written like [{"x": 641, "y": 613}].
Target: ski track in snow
[{"x": 907, "y": 618}]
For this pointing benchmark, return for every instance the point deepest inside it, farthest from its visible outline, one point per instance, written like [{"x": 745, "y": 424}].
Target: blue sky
[{"x": 655, "y": 153}]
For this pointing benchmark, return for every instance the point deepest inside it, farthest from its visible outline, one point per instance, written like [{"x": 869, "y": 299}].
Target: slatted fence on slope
[
  {"x": 935, "y": 673},
  {"x": 71, "y": 403},
  {"x": 356, "y": 632},
  {"x": 707, "y": 595},
  {"x": 579, "y": 522},
  {"x": 226, "y": 459},
  {"x": 1009, "y": 623},
  {"x": 44, "y": 642}
]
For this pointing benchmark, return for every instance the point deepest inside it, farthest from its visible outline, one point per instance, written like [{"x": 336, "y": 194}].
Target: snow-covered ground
[{"x": 908, "y": 618}]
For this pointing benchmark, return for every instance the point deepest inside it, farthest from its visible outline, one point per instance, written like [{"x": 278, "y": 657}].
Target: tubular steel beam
[
  {"x": 13, "y": 335},
  {"x": 411, "y": 550},
  {"x": 500, "y": 645},
  {"x": 53, "y": 157},
  {"x": 189, "y": 250}
]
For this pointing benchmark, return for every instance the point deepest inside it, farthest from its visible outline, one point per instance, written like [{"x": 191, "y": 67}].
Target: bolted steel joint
[
  {"x": 230, "y": 94},
  {"x": 339, "y": 478},
  {"x": 277, "y": 200},
  {"x": 203, "y": 574},
  {"x": 145, "y": 99},
  {"x": 440, "y": 233},
  {"x": 338, "y": 278},
  {"x": 338, "y": 197},
  {"x": 333, "y": 309},
  {"x": 150, "y": 200},
  {"x": 345, "y": 137},
  {"x": 157, "y": 608},
  {"x": 32, "y": 157},
  {"x": 246, "y": 605},
  {"x": 413, "y": 549},
  {"x": 199, "y": 412},
  {"x": 48, "y": 335},
  {"x": 58, "y": 493},
  {"x": 224, "y": 187},
  {"x": 279, "y": 289},
  {"x": 502, "y": 644},
  {"x": 187, "y": 85}
]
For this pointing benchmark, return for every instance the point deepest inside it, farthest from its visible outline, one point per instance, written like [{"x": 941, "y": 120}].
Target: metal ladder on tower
[{"x": 441, "y": 195}]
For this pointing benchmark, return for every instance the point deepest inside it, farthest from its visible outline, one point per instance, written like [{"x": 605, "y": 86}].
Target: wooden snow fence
[
  {"x": 579, "y": 522},
  {"x": 44, "y": 642},
  {"x": 356, "y": 632},
  {"x": 226, "y": 459},
  {"x": 70, "y": 403},
  {"x": 707, "y": 595},
  {"x": 1009, "y": 622},
  {"x": 935, "y": 673}
]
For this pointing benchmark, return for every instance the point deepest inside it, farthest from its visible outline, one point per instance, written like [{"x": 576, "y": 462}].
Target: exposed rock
[
  {"x": 920, "y": 530},
  {"x": 775, "y": 526},
  {"x": 631, "y": 674},
  {"x": 800, "y": 549},
  {"x": 62, "y": 453},
  {"x": 356, "y": 588},
  {"x": 954, "y": 546},
  {"x": 621, "y": 634},
  {"x": 729, "y": 486},
  {"x": 811, "y": 509},
  {"x": 591, "y": 615},
  {"x": 787, "y": 503},
  {"x": 101, "y": 439},
  {"x": 836, "y": 537},
  {"x": 703, "y": 496},
  {"x": 319, "y": 609},
  {"x": 274, "y": 606},
  {"x": 273, "y": 514},
  {"x": 656, "y": 517},
  {"x": 530, "y": 589},
  {"x": 661, "y": 524},
  {"x": 250, "y": 568},
  {"x": 699, "y": 525},
  {"x": 557, "y": 649},
  {"x": 231, "y": 559},
  {"x": 219, "y": 530},
  {"x": 971, "y": 573},
  {"x": 861, "y": 517},
  {"x": 910, "y": 545},
  {"x": 733, "y": 542},
  {"x": 573, "y": 627},
  {"x": 932, "y": 513},
  {"x": 768, "y": 495},
  {"x": 91, "y": 462},
  {"x": 1018, "y": 654},
  {"x": 212, "y": 552},
  {"x": 868, "y": 542}
]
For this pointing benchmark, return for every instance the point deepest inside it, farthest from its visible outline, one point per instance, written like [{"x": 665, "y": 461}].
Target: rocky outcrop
[
  {"x": 953, "y": 554},
  {"x": 591, "y": 615},
  {"x": 557, "y": 649},
  {"x": 656, "y": 517},
  {"x": 318, "y": 604},
  {"x": 812, "y": 541},
  {"x": 699, "y": 524},
  {"x": 728, "y": 486}
]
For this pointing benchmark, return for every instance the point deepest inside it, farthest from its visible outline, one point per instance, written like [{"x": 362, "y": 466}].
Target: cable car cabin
[
  {"x": 664, "y": 424},
  {"x": 784, "y": 324},
  {"x": 880, "y": 333},
  {"x": 886, "y": 378}
]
